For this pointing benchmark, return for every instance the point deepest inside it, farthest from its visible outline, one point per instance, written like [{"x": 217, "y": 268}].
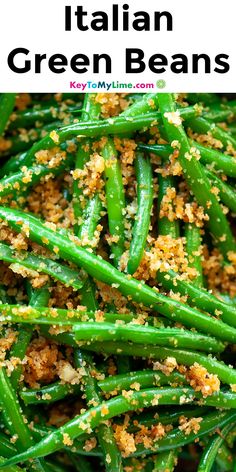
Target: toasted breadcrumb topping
[
  {"x": 202, "y": 381},
  {"x": 112, "y": 104},
  {"x": 189, "y": 425}
]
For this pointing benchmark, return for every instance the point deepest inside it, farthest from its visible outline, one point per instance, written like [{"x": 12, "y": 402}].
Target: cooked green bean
[
  {"x": 115, "y": 199},
  {"x": 144, "y": 378},
  {"x": 165, "y": 226},
  {"x": 225, "y": 373},
  {"x": 211, "y": 449},
  {"x": 143, "y": 215},
  {"x": 166, "y": 461},
  {"x": 115, "y": 406},
  {"x": 105, "y": 272},
  {"x": 193, "y": 249},
  {"x": 112, "y": 456},
  {"x": 7, "y": 103},
  {"x": 172, "y": 337},
  {"x": 37, "y": 264},
  {"x": 196, "y": 178}
]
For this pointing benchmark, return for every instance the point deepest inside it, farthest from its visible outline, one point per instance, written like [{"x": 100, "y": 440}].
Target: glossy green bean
[
  {"x": 26, "y": 178},
  {"x": 93, "y": 128},
  {"x": 166, "y": 461},
  {"x": 112, "y": 456},
  {"x": 7, "y": 449},
  {"x": 197, "y": 180},
  {"x": 227, "y": 193},
  {"x": 218, "y": 112},
  {"x": 41, "y": 114},
  {"x": 37, "y": 297},
  {"x": 48, "y": 394},
  {"x": 118, "y": 405},
  {"x": 90, "y": 111},
  {"x": 59, "y": 316},
  {"x": 102, "y": 270},
  {"x": 224, "y": 458},
  {"x": 145, "y": 378},
  {"x": 203, "y": 126},
  {"x": 115, "y": 199},
  {"x": 225, "y": 373},
  {"x": 199, "y": 297},
  {"x": 177, "y": 438},
  {"x": 143, "y": 216},
  {"x": 91, "y": 217},
  {"x": 206, "y": 98},
  {"x": 211, "y": 449},
  {"x": 7, "y": 103},
  {"x": 12, "y": 413},
  {"x": 23, "y": 142},
  {"x": 148, "y": 335},
  {"x": 165, "y": 226},
  {"x": 70, "y": 277},
  {"x": 193, "y": 248},
  {"x": 216, "y": 159}
]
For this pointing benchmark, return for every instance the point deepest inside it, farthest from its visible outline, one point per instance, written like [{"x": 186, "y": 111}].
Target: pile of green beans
[{"x": 114, "y": 355}]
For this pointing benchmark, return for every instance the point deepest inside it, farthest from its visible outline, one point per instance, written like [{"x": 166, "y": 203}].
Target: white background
[{"x": 200, "y": 26}]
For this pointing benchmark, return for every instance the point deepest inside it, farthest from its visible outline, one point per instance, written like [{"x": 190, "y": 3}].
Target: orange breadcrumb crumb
[{"x": 202, "y": 381}]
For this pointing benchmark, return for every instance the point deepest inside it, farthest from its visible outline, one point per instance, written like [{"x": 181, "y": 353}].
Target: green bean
[
  {"x": 15, "y": 422},
  {"x": 172, "y": 337},
  {"x": 48, "y": 394},
  {"x": 143, "y": 215},
  {"x": 105, "y": 272},
  {"x": 38, "y": 297},
  {"x": 25, "y": 333},
  {"x": 224, "y": 458},
  {"x": 166, "y": 461},
  {"x": 225, "y": 373},
  {"x": 70, "y": 277},
  {"x": 7, "y": 449},
  {"x": 112, "y": 457},
  {"x": 206, "y": 98},
  {"x": 115, "y": 199},
  {"x": 177, "y": 438},
  {"x": 227, "y": 193},
  {"x": 203, "y": 126},
  {"x": 193, "y": 249},
  {"x": 214, "y": 158},
  {"x": 91, "y": 214},
  {"x": 210, "y": 451},
  {"x": 199, "y": 297},
  {"x": 218, "y": 112},
  {"x": 87, "y": 293},
  {"x": 165, "y": 226},
  {"x": 23, "y": 142},
  {"x": 145, "y": 379},
  {"x": 90, "y": 110},
  {"x": 58, "y": 316},
  {"x": 197, "y": 179},
  {"x": 91, "y": 217},
  {"x": 120, "y": 404},
  {"x": 7, "y": 103},
  {"x": 165, "y": 416},
  {"x": 118, "y": 125},
  {"x": 147, "y": 103},
  {"x": 13, "y": 468},
  {"x": 41, "y": 114},
  {"x": 29, "y": 176},
  {"x": 19, "y": 350},
  {"x": 12, "y": 413}
]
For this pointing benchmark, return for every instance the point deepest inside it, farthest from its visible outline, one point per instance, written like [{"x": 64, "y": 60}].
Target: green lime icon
[{"x": 161, "y": 84}]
